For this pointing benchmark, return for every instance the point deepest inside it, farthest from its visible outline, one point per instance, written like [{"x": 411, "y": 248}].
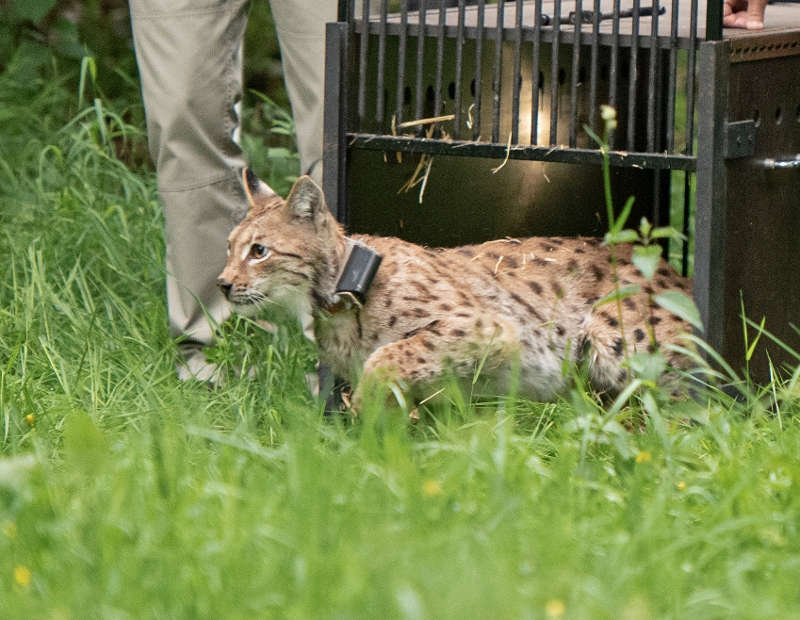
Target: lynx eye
[{"x": 258, "y": 251}]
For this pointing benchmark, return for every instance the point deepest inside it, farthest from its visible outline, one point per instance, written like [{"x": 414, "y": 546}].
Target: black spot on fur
[
  {"x": 392, "y": 321},
  {"x": 663, "y": 271},
  {"x": 319, "y": 301},
  {"x": 445, "y": 307},
  {"x": 430, "y": 327},
  {"x": 510, "y": 262},
  {"x": 629, "y": 303},
  {"x": 557, "y": 240},
  {"x": 535, "y": 287},
  {"x": 638, "y": 334},
  {"x": 420, "y": 287},
  {"x": 610, "y": 320},
  {"x": 458, "y": 333},
  {"x": 560, "y": 330},
  {"x": 493, "y": 255},
  {"x": 617, "y": 346},
  {"x": 582, "y": 346},
  {"x": 547, "y": 247},
  {"x": 527, "y": 306},
  {"x": 541, "y": 262},
  {"x": 579, "y": 251},
  {"x": 387, "y": 303},
  {"x": 557, "y": 289},
  {"x": 648, "y": 289},
  {"x": 572, "y": 264},
  {"x": 421, "y": 360},
  {"x": 654, "y": 320},
  {"x": 598, "y": 273}
]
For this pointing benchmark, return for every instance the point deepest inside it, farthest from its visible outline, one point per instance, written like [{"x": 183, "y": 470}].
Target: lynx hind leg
[
  {"x": 605, "y": 348},
  {"x": 455, "y": 345}
]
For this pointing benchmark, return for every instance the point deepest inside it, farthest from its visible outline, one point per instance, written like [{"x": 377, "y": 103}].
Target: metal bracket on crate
[
  {"x": 740, "y": 139},
  {"x": 770, "y": 163},
  {"x": 587, "y": 17}
]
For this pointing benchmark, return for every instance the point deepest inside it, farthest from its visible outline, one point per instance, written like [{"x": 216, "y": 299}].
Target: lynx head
[{"x": 283, "y": 251}]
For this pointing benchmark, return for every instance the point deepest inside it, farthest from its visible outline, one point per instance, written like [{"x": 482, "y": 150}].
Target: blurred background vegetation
[{"x": 45, "y": 41}]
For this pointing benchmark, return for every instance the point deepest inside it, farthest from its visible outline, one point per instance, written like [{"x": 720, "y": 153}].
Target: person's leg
[
  {"x": 189, "y": 54},
  {"x": 301, "y": 32}
]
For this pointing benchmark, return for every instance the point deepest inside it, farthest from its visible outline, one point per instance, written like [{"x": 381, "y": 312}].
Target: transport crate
[{"x": 484, "y": 105}]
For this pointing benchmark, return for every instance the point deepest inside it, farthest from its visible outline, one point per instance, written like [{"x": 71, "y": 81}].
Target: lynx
[{"x": 523, "y": 306}]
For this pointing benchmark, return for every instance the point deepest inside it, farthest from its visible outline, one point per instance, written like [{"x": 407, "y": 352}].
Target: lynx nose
[{"x": 225, "y": 286}]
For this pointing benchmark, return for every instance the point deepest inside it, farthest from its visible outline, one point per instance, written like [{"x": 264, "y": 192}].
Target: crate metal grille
[{"x": 631, "y": 54}]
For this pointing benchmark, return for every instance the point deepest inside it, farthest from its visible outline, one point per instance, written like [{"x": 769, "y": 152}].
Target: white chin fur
[{"x": 247, "y": 309}]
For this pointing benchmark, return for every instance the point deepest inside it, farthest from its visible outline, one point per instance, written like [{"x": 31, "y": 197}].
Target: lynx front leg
[{"x": 424, "y": 354}]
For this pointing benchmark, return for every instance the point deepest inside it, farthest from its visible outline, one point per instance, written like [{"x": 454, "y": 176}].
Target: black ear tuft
[
  {"x": 255, "y": 187},
  {"x": 250, "y": 181}
]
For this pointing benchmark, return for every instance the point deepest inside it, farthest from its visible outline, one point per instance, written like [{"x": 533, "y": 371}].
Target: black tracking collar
[{"x": 358, "y": 272}]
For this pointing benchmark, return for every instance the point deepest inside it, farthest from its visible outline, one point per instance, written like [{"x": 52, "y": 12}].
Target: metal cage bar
[
  {"x": 497, "y": 75},
  {"x": 379, "y": 91},
  {"x": 420, "y": 58},
  {"x": 575, "y": 75},
  {"x": 437, "y": 91},
  {"x": 402, "y": 40},
  {"x": 536, "y": 81},
  {"x": 459, "y": 67},
  {"x": 477, "y": 81},
  {"x": 516, "y": 72},
  {"x": 554, "y": 72},
  {"x": 633, "y": 75}
]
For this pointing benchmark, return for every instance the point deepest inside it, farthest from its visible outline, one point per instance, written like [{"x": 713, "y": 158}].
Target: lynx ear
[
  {"x": 254, "y": 187},
  {"x": 306, "y": 199}
]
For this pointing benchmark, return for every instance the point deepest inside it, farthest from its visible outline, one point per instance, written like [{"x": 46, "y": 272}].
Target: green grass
[{"x": 126, "y": 494}]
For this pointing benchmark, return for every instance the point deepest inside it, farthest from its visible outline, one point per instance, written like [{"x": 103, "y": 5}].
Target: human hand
[{"x": 747, "y": 14}]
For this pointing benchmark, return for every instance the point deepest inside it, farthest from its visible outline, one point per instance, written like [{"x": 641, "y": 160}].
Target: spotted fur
[{"x": 505, "y": 304}]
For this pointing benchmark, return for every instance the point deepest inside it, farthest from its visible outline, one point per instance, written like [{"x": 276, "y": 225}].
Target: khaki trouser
[{"x": 189, "y": 54}]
